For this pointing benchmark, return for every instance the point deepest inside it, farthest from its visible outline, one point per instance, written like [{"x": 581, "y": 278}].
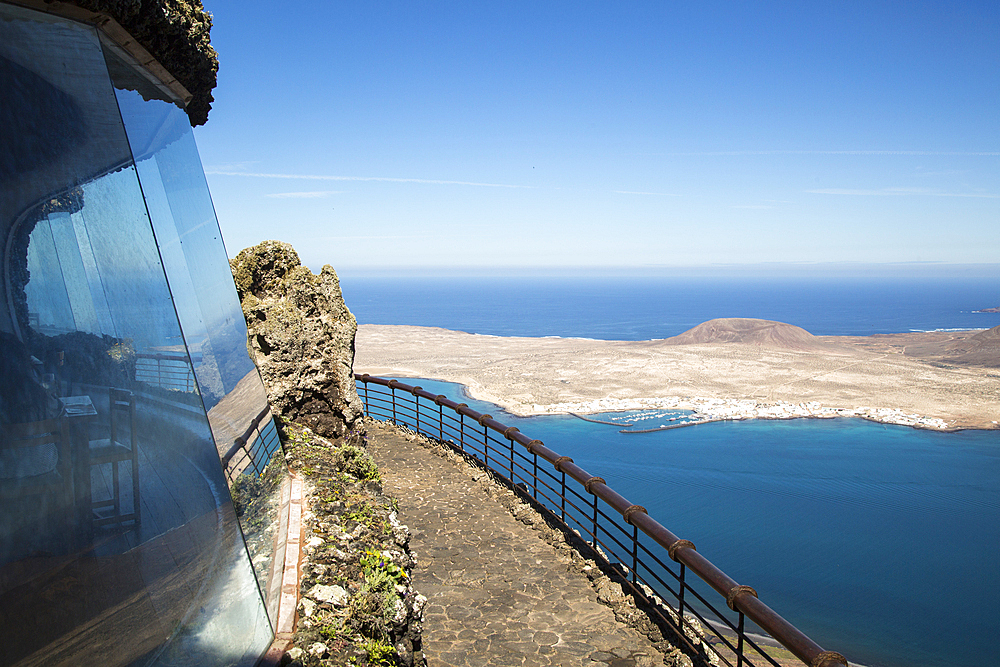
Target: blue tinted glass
[
  {"x": 197, "y": 268},
  {"x": 118, "y": 537}
]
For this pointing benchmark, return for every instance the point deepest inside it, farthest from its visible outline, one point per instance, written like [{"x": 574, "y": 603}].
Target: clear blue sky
[{"x": 600, "y": 134}]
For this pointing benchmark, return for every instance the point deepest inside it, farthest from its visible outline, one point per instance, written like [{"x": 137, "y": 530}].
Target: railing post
[
  {"x": 486, "y": 444},
  {"x": 739, "y": 642},
  {"x": 440, "y": 420},
  {"x": 416, "y": 401},
  {"x": 595, "y": 520},
  {"x": 393, "y": 390},
  {"x": 680, "y": 599},
  {"x": 510, "y": 441},
  {"x": 461, "y": 427},
  {"x": 368, "y": 407},
  {"x": 534, "y": 474},
  {"x": 562, "y": 496},
  {"x": 635, "y": 551}
]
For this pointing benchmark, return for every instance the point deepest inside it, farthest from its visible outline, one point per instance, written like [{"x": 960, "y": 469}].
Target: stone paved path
[{"x": 497, "y": 593}]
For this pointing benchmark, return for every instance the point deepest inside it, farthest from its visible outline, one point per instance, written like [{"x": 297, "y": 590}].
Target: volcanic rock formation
[
  {"x": 765, "y": 333},
  {"x": 177, "y": 34},
  {"x": 301, "y": 335}
]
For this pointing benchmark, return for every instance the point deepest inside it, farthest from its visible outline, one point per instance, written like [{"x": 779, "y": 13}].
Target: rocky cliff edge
[{"x": 301, "y": 336}]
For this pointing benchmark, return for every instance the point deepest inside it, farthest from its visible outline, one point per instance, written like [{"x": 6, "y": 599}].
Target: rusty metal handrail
[
  {"x": 741, "y": 599},
  {"x": 258, "y": 436}
]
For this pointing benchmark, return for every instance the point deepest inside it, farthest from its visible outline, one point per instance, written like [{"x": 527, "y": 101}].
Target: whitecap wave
[{"x": 946, "y": 330}]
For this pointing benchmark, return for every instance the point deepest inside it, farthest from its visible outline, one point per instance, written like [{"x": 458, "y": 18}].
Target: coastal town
[{"x": 704, "y": 410}]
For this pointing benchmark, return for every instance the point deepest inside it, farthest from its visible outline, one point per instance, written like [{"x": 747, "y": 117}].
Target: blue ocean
[
  {"x": 878, "y": 541},
  {"x": 646, "y": 308}
]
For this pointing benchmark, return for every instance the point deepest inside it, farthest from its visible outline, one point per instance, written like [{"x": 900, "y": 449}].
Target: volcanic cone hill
[
  {"x": 763, "y": 333},
  {"x": 981, "y": 349}
]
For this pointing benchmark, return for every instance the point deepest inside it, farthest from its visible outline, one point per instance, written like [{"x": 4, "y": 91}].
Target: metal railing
[
  {"x": 251, "y": 452},
  {"x": 168, "y": 371},
  {"x": 652, "y": 561}
]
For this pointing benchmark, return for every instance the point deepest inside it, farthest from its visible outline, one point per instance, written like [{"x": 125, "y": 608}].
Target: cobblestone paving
[{"x": 497, "y": 593}]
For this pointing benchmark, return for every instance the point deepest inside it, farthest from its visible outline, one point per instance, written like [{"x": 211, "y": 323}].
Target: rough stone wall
[
  {"x": 301, "y": 336},
  {"x": 177, "y": 34}
]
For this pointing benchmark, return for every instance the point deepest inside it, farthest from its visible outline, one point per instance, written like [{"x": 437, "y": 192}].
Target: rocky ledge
[
  {"x": 356, "y": 605},
  {"x": 178, "y": 34}
]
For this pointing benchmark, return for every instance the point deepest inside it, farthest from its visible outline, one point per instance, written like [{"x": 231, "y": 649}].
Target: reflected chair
[
  {"x": 37, "y": 462},
  {"x": 121, "y": 446}
]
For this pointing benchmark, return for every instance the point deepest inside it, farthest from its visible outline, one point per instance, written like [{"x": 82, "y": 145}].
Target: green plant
[
  {"x": 379, "y": 653},
  {"x": 359, "y": 514},
  {"x": 357, "y": 463},
  {"x": 373, "y": 607},
  {"x": 373, "y": 563},
  {"x": 333, "y": 629}
]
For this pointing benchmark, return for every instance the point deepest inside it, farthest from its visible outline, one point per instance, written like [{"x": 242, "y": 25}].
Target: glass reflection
[
  {"x": 118, "y": 537},
  {"x": 197, "y": 268}
]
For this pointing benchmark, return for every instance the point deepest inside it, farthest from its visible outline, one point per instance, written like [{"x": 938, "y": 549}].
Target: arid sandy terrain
[{"x": 950, "y": 379}]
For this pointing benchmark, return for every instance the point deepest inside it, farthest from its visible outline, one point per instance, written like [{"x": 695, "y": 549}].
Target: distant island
[
  {"x": 988, "y": 310},
  {"x": 721, "y": 369}
]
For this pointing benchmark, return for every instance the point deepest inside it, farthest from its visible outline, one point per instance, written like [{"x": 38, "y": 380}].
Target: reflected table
[{"x": 80, "y": 411}]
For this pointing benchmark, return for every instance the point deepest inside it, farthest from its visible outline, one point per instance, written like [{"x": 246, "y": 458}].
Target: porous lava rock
[
  {"x": 357, "y": 604},
  {"x": 177, "y": 34},
  {"x": 301, "y": 336}
]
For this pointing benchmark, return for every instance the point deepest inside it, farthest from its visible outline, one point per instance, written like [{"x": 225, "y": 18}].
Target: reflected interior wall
[{"x": 115, "y": 277}]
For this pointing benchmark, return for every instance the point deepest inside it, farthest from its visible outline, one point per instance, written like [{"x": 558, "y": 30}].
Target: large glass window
[
  {"x": 197, "y": 268},
  {"x": 123, "y": 373}
]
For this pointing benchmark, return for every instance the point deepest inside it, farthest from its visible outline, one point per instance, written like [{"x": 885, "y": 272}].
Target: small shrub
[
  {"x": 357, "y": 463},
  {"x": 379, "y": 654},
  {"x": 373, "y": 562}
]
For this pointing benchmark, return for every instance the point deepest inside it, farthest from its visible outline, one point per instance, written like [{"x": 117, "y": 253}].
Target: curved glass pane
[
  {"x": 197, "y": 268},
  {"x": 118, "y": 535}
]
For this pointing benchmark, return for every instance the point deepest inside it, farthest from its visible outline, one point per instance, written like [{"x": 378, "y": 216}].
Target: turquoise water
[{"x": 877, "y": 541}]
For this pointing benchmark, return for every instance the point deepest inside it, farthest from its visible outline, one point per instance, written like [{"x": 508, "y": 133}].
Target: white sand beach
[{"x": 774, "y": 373}]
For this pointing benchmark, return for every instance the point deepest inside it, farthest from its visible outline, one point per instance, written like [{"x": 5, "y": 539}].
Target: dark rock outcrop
[
  {"x": 301, "y": 335},
  {"x": 177, "y": 34}
]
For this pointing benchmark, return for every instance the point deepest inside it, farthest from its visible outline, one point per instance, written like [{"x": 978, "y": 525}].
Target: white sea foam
[{"x": 944, "y": 330}]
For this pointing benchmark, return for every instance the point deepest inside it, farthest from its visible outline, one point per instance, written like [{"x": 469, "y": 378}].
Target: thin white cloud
[
  {"x": 899, "y": 192},
  {"x": 374, "y": 238},
  {"x": 754, "y": 206},
  {"x": 858, "y": 152},
  {"x": 305, "y": 195},
  {"x": 656, "y": 194},
  {"x": 380, "y": 179},
  {"x": 234, "y": 166}
]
